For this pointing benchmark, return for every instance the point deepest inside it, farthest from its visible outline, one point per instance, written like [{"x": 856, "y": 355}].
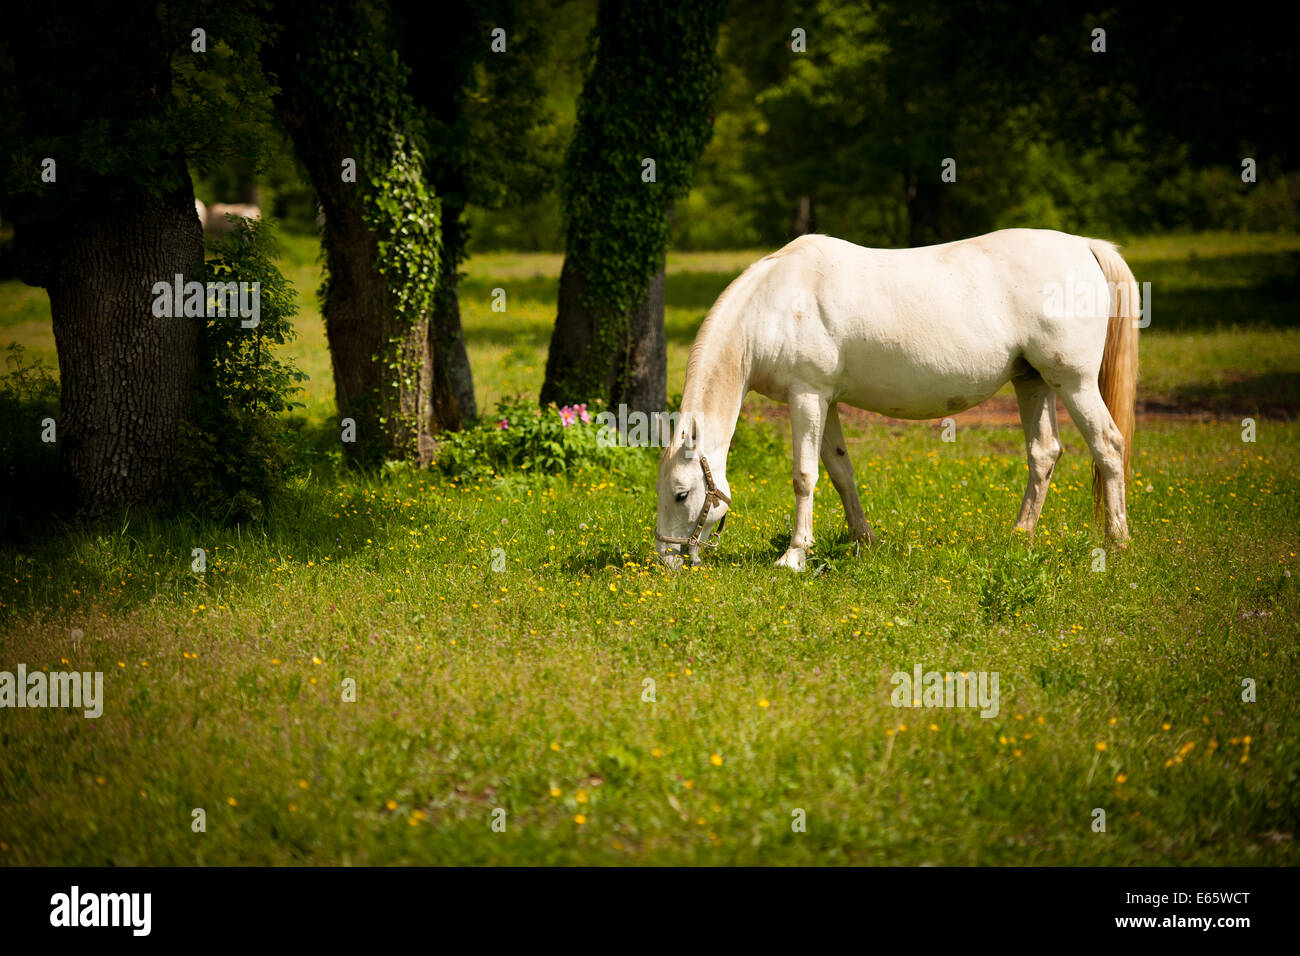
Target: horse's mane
[
  {"x": 697, "y": 347},
  {"x": 706, "y": 327}
]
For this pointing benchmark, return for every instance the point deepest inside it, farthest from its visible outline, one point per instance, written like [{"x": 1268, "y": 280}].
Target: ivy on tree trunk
[
  {"x": 341, "y": 97},
  {"x": 644, "y": 118}
]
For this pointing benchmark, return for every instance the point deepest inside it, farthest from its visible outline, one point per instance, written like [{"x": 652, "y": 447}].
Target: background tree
[
  {"x": 342, "y": 97},
  {"x": 1045, "y": 131},
  {"x": 118, "y": 99},
  {"x": 648, "y": 93}
]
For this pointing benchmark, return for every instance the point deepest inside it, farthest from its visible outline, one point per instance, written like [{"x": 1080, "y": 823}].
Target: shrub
[
  {"x": 519, "y": 436},
  {"x": 235, "y": 451}
]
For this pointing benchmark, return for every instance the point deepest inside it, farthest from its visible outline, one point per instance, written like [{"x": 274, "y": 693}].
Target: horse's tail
[{"x": 1117, "y": 379}]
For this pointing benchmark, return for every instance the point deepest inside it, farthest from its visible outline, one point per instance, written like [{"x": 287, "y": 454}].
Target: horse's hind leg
[
  {"x": 807, "y": 420},
  {"x": 1042, "y": 443},
  {"x": 835, "y": 456},
  {"x": 1104, "y": 439}
]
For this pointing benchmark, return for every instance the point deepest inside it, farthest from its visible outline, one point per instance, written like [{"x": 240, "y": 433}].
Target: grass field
[{"x": 523, "y": 690}]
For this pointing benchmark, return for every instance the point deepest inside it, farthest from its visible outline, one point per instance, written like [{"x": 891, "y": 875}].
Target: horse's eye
[{"x": 682, "y": 495}]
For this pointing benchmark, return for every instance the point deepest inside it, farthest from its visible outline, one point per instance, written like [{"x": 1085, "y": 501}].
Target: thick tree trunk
[
  {"x": 589, "y": 359},
  {"x": 126, "y": 376},
  {"x": 608, "y": 339},
  {"x": 575, "y": 369},
  {"x": 397, "y": 413}
]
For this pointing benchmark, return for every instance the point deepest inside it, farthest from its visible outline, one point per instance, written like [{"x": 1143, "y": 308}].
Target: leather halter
[{"x": 690, "y": 544}]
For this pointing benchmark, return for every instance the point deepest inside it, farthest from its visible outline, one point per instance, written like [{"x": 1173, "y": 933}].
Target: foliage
[
  {"x": 236, "y": 453},
  {"x": 363, "y": 83},
  {"x": 1045, "y": 132},
  {"x": 522, "y": 437},
  {"x": 485, "y": 132},
  {"x": 111, "y": 144}
]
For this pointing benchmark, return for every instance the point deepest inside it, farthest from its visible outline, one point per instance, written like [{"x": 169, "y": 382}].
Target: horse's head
[{"x": 693, "y": 497}]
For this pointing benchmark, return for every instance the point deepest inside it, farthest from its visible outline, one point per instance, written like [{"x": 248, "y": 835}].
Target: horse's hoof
[{"x": 792, "y": 559}]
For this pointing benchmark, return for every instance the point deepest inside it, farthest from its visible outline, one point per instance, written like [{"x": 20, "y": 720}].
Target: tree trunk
[
  {"x": 929, "y": 213},
  {"x": 608, "y": 339},
  {"x": 446, "y": 336},
  {"x": 641, "y": 367},
  {"x": 126, "y": 376},
  {"x": 588, "y": 358},
  {"x": 575, "y": 369},
  {"x": 447, "y": 343},
  {"x": 805, "y": 217},
  {"x": 396, "y": 414}
]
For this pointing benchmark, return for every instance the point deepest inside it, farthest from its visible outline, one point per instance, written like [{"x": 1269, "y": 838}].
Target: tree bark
[
  {"x": 446, "y": 335},
  {"x": 632, "y": 368},
  {"x": 126, "y": 376},
  {"x": 569, "y": 355},
  {"x": 641, "y": 367}
]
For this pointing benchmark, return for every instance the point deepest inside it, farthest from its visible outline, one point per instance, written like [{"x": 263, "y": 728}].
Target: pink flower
[
  {"x": 503, "y": 423},
  {"x": 582, "y": 412},
  {"x": 567, "y": 416}
]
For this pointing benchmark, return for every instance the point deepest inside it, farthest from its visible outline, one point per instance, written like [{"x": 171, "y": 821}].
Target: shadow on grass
[
  {"x": 1272, "y": 395},
  {"x": 617, "y": 557},
  {"x": 1205, "y": 293},
  {"x": 135, "y": 555}
]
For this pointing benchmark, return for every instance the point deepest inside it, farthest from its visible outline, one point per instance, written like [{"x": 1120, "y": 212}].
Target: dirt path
[{"x": 1001, "y": 410}]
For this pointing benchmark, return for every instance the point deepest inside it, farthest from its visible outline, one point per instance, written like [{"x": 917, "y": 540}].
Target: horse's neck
[{"x": 716, "y": 384}]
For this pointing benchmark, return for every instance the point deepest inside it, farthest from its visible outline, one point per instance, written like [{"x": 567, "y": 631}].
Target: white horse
[
  {"x": 215, "y": 221},
  {"x": 909, "y": 333}
]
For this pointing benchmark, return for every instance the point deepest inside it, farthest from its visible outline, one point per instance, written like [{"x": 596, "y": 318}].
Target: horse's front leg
[{"x": 807, "y": 421}]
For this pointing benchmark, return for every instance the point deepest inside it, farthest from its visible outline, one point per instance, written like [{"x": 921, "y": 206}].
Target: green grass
[{"x": 523, "y": 689}]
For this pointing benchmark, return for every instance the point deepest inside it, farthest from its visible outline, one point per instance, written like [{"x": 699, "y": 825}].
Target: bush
[
  {"x": 519, "y": 436},
  {"x": 235, "y": 451}
]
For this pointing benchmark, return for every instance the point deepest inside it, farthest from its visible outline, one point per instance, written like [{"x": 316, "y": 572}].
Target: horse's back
[{"x": 921, "y": 332}]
